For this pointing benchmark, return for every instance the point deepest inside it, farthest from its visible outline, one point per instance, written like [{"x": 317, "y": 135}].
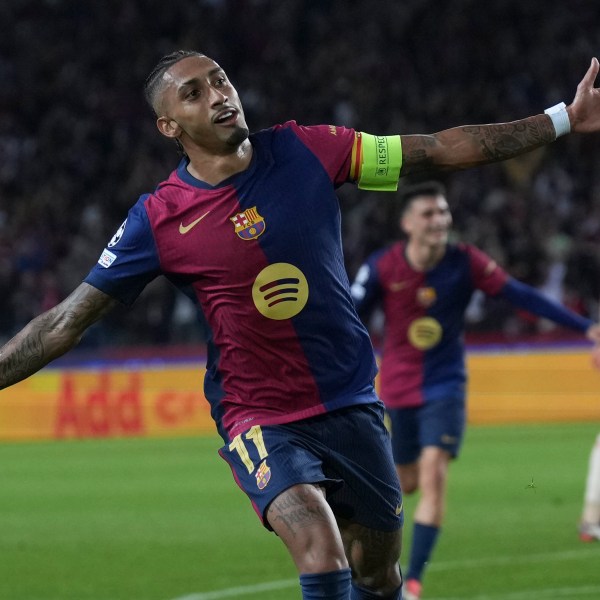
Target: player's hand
[
  {"x": 596, "y": 357},
  {"x": 584, "y": 111},
  {"x": 593, "y": 334}
]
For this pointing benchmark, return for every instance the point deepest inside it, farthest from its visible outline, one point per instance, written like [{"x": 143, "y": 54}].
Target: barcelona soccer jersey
[
  {"x": 261, "y": 255},
  {"x": 423, "y": 351}
]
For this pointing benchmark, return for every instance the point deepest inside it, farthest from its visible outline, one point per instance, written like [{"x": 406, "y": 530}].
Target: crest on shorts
[
  {"x": 248, "y": 224},
  {"x": 263, "y": 475},
  {"x": 426, "y": 296}
]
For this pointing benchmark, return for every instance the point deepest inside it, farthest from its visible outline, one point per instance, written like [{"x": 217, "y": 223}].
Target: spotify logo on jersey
[
  {"x": 425, "y": 333},
  {"x": 280, "y": 291}
]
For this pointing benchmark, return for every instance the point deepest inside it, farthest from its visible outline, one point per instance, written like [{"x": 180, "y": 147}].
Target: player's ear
[
  {"x": 404, "y": 223},
  {"x": 168, "y": 127}
]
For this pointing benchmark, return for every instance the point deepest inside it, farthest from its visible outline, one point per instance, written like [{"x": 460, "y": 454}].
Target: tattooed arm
[
  {"x": 52, "y": 333},
  {"x": 472, "y": 145}
]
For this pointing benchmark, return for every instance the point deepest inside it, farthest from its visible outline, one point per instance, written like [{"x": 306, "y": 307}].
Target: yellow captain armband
[{"x": 376, "y": 161}]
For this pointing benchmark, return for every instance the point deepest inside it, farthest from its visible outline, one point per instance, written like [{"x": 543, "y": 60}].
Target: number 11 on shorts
[{"x": 255, "y": 435}]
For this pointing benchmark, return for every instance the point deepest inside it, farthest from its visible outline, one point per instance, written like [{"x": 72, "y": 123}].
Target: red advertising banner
[
  {"x": 507, "y": 387},
  {"x": 93, "y": 403}
]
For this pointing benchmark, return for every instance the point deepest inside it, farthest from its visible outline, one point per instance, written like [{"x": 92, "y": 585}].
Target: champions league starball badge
[{"x": 115, "y": 238}]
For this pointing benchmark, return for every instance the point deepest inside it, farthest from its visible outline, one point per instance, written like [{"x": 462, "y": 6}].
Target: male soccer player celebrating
[
  {"x": 425, "y": 285},
  {"x": 248, "y": 226}
]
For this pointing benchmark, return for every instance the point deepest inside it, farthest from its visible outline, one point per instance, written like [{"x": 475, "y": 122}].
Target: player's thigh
[
  {"x": 359, "y": 454},
  {"x": 442, "y": 425},
  {"x": 405, "y": 429},
  {"x": 373, "y": 555},
  {"x": 433, "y": 468},
  {"x": 369, "y": 505},
  {"x": 304, "y": 521},
  {"x": 408, "y": 476}
]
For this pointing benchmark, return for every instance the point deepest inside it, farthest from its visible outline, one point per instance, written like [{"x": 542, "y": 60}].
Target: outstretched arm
[
  {"x": 530, "y": 299},
  {"x": 471, "y": 145},
  {"x": 52, "y": 333}
]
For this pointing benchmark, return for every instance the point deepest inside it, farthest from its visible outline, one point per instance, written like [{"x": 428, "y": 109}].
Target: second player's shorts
[
  {"x": 347, "y": 451},
  {"x": 440, "y": 423}
]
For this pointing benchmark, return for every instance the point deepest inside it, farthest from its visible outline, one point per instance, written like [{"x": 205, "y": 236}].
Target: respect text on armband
[
  {"x": 381, "y": 162},
  {"x": 383, "y": 157}
]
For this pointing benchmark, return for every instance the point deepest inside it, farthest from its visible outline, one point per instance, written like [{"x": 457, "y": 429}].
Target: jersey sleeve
[
  {"x": 487, "y": 275},
  {"x": 332, "y": 145},
  {"x": 130, "y": 260},
  {"x": 533, "y": 301},
  {"x": 373, "y": 162}
]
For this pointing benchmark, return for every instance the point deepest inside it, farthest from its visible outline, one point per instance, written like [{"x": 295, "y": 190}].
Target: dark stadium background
[{"x": 78, "y": 145}]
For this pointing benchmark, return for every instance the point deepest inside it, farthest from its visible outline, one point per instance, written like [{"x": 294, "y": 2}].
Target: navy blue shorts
[
  {"x": 440, "y": 423},
  {"x": 347, "y": 451}
]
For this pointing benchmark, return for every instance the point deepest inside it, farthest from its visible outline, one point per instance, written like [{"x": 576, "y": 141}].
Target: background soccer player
[
  {"x": 424, "y": 285},
  {"x": 248, "y": 226},
  {"x": 589, "y": 526}
]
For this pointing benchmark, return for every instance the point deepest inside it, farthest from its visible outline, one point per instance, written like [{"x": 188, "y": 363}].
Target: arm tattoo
[
  {"x": 416, "y": 151},
  {"x": 51, "y": 334},
  {"x": 23, "y": 354},
  {"x": 506, "y": 140},
  {"x": 473, "y": 145}
]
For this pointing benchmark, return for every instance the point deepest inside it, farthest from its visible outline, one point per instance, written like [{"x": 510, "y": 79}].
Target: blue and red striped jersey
[
  {"x": 423, "y": 355},
  {"x": 261, "y": 255}
]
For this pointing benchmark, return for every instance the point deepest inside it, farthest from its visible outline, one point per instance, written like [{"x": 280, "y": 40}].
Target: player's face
[
  {"x": 201, "y": 107},
  {"x": 428, "y": 220}
]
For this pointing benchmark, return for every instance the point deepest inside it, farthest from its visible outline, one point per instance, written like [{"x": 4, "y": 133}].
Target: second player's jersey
[
  {"x": 423, "y": 350},
  {"x": 261, "y": 255}
]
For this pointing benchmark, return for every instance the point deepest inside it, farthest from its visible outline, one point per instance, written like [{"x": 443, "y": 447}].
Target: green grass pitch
[{"x": 142, "y": 519}]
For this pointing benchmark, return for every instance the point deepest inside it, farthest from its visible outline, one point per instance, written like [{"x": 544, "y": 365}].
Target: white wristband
[{"x": 560, "y": 118}]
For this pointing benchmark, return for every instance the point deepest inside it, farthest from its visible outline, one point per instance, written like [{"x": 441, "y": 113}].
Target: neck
[
  {"x": 215, "y": 168},
  {"x": 423, "y": 257}
]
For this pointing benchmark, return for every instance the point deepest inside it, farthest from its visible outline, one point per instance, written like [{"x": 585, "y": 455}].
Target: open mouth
[
  {"x": 226, "y": 117},
  {"x": 438, "y": 233}
]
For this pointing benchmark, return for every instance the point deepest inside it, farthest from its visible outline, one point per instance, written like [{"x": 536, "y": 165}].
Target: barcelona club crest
[
  {"x": 248, "y": 224},
  {"x": 426, "y": 296},
  {"x": 263, "y": 475}
]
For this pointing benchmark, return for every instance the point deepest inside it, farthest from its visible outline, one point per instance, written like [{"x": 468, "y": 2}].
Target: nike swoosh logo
[{"x": 183, "y": 229}]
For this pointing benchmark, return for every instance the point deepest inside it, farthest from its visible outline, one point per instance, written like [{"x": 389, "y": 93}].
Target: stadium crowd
[{"x": 78, "y": 145}]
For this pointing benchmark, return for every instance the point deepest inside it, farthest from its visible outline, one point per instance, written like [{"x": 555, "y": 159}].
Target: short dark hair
[
  {"x": 425, "y": 188},
  {"x": 152, "y": 84}
]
